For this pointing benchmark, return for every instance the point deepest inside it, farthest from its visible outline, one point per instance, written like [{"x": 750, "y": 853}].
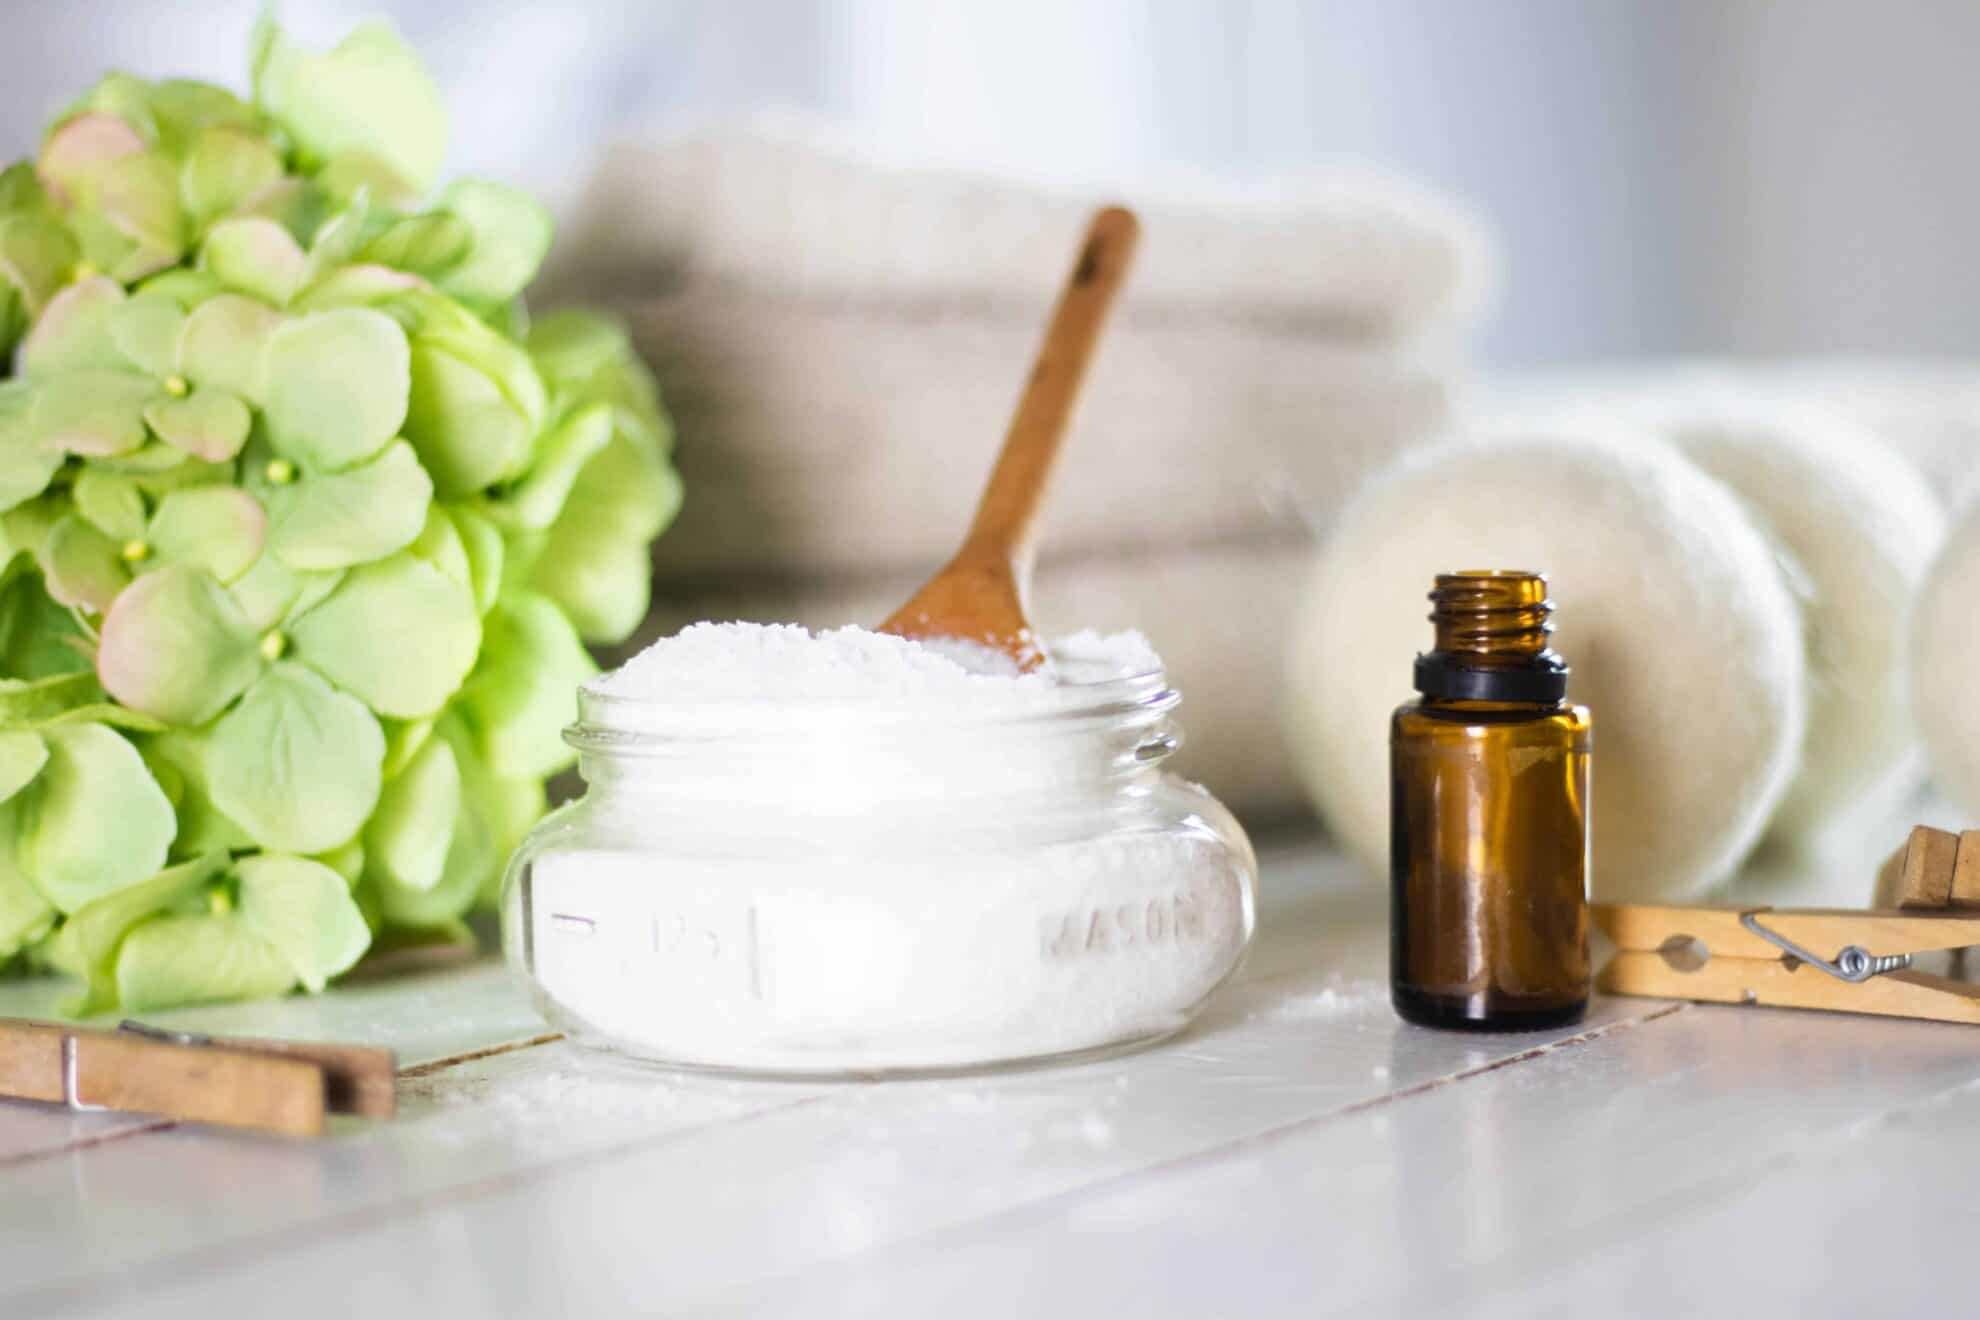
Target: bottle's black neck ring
[{"x": 1445, "y": 675}]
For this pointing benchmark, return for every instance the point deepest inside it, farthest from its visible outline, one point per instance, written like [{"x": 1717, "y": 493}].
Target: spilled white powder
[{"x": 954, "y": 892}]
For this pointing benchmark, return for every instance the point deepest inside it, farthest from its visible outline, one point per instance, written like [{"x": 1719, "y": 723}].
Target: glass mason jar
[{"x": 838, "y": 888}]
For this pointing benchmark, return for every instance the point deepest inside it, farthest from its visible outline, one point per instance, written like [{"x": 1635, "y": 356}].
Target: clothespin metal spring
[{"x": 1854, "y": 964}]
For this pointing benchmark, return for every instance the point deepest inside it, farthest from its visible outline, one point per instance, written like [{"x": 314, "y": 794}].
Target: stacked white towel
[{"x": 840, "y": 339}]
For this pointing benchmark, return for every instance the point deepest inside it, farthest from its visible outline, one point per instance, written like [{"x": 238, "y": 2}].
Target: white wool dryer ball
[
  {"x": 1856, "y": 527},
  {"x": 1682, "y": 635},
  {"x": 1945, "y": 655}
]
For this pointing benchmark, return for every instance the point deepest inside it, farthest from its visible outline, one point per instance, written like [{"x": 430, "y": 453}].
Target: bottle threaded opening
[
  {"x": 1492, "y": 612},
  {"x": 1492, "y": 629}
]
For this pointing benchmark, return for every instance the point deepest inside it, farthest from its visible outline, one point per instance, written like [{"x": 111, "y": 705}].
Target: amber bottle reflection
[{"x": 1489, "y": 818}]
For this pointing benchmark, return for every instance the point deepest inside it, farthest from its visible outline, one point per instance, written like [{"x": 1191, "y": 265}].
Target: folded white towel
[
  {"x": 1215, "y": 614},
  {"x": 789, "y": 208},
  {"x": 827, "y": 439}
]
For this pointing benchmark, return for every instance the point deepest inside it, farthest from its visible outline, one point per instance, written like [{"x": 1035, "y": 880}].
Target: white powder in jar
[
  {"x": 782, "y": 664},
  {"x": 965, "y": 865}
]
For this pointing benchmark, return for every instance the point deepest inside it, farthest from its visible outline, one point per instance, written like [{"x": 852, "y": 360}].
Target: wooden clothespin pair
[
  {"x": 1842, "y": 960},
  {"x": 282, "y": 1087}
]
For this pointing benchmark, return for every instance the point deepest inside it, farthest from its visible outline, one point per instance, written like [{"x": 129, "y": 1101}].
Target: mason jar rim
[{"x": 609, "y": 722}]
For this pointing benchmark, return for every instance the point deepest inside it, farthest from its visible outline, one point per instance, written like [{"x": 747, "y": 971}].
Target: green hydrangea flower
[{"x": 302, "y": 537}]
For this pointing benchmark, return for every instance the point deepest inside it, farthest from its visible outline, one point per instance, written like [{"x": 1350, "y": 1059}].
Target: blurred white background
[{"x": 1751, "y": 177}]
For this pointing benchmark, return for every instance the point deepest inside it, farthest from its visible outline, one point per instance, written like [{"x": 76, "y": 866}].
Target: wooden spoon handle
[{"x": 1009, "y": 508}]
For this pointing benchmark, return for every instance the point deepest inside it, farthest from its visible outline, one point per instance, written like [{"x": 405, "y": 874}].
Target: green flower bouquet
[{"x": 305, "y": 528}]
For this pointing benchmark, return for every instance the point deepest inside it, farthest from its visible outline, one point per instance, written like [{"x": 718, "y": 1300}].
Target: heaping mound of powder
[{"x": 786, "y": 663}]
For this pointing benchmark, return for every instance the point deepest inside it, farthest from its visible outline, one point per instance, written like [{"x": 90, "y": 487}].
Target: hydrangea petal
[
  {"x": 398, "y": 633},
  {"x": 29, "y": 703},
  {"x": 336, "y": 386},
  {"x": 369, "y": 94},
  {"x": 351, "y": 517},
  {"x": 476, "y": 851},
  {"x": 148, "y": 462},
  {"x": 439, "y": 544},
  {"x": 177, "y": 646},
  {"x": 218, "y": 528},
  {"x": 146, "y": 331},
  {"x": 92, "y": 412},
  {"x": 184, "y": 108},
  {"x": 83, "y": 567},
  {"x": 512, "y": 233},
  {"x": 255, "y": 256},
  {"x": 296, "y": 762},
  {"x": 228, "y": 166},
  {"x": 539, "y": 497},
  {"x": 352, "y": 174},
  {"x": 74, "y": 330},
  {"x": 223, "y": 342},
  {"x": 25, "y": 916},
  {"x": 467, "y": 432},
  {"x": 571, "y": 344},
  {"x": 403, "y": 741},
  {"x": 182, "y": 285},
  {"x": 178, "y": 761},
  {"x": 93, "y": 820},
  {"x": 267, "y": 591},
  {"x": 336, "y": 240},
  {"x": 139, "y": 195},
  {"x": 82, "y": 145},
  {"x": 22, "y": 754},
  {"x": 25, "y": 467},
  {"x": 408, "y": 836},
  {"x": 111, "y": 503},
  {"x": 209, "y": 423},
  {"x": 482, "y": 541},
  {"x": 355, "y": 286},
  {"x": 173, "y": 960},
  {"x": 96, "y": 931},
  {"x": 523, "y": 692},
  {"x": 39, "y": 637},
  {"x": 36, "y": 256},
  {"x": 304, "y": 910},
  {"x": 595, "y": 563},
  {"x": 423, "y": 244}
]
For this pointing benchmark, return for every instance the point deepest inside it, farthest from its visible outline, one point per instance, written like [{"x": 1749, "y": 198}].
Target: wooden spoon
[{"x": 979, "y": 597}]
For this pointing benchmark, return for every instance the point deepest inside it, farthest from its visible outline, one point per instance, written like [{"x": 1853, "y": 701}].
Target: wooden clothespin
[
  {"x": 1840, "y": 960},
  {"x": 282, "y": 1087},
  {"x": 1935, "y": 869}
]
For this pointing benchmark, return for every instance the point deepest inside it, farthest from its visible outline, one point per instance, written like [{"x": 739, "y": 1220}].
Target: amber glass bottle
[{"x": 1489, "y": 818}]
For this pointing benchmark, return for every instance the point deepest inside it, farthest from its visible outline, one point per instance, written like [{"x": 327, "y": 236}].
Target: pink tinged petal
[
  {"x": 176, "y": 645},
  {"x": 82, "y": 567},
  {"x": 218, "y": 528},
  {"x": 210, "y": 424},
  {"x": 74, "y": 330},
  {"x": 82, "y": 146}
]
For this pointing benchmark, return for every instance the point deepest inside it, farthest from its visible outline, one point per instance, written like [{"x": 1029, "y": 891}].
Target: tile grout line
[{"x": 486, "y": 1052}]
